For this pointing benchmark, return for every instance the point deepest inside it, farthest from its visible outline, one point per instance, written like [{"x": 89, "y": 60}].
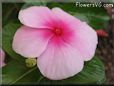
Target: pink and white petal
[
  {"x": 60, "y": 62},
  {"x": 2, "y": 58},
  {"x": 36, "y": 17},
  {"x": 30, "y": 42},
  {"x": 84, "y": 39},
  {"x": 63, "y": 16}
]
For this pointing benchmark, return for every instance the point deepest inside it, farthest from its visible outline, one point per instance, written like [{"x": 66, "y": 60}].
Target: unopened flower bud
[{"x": 30, "y": 62}]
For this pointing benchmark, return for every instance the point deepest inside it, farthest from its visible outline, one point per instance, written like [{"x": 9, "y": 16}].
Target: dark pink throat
[{"x": 57, "y": 32}]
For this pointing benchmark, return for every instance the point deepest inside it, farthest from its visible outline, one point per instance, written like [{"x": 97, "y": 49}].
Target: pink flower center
[{"x": 57, "y": 31}]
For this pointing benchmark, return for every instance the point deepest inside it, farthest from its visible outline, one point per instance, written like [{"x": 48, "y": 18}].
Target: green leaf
[
  {"x": 96, "y": 17},
  {"x": 10, "y": 12},
  {"x": 93, "y": 73},
  {"x": 29, "y": 3},
  {"x": 7, "y": 38},
  {"x": 36, "y": 1},
  {"x": 16, "y": 73},
  {"x": 0, "y": 39}
]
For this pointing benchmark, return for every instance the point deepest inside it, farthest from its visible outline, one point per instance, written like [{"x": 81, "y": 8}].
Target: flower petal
[
  {"x": 60, "y": 62},
  {"x": 2, "y": 58},
  {"x": 30, "y": 42},
  {"x": 84, "y": 39},
  {"x": 36, "y": 17},
  {"x": 64, "y": 16}
]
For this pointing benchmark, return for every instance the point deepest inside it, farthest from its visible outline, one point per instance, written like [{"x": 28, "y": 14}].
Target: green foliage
[
  {"x": 16, "y": 73},
  {"x": 7, "y": 38}
]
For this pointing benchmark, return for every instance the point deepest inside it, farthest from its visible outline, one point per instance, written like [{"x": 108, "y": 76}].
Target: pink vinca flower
[
  {"x": 60, "y": 41},
  {"x": 2, "y": 58}
]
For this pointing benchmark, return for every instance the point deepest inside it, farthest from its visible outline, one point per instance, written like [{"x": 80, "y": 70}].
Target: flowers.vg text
[{"x": 98, "y": 4}]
